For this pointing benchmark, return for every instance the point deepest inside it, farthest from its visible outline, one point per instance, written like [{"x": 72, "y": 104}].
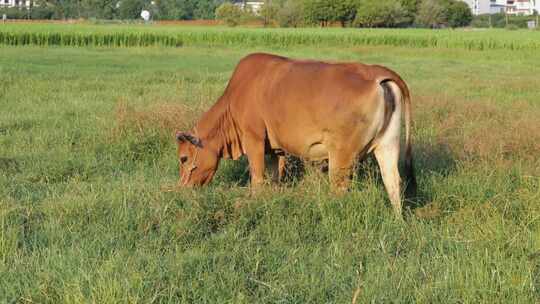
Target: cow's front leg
[
  {"x": 255, "y": 155},
  {"x": 340, "y": 165}
]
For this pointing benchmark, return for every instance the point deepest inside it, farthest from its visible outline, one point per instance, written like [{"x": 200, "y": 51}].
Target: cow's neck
[{"x": 217, "y": 128}]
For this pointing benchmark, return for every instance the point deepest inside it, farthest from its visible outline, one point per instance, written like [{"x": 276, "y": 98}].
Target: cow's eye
[{"x": 183, "y": 159}]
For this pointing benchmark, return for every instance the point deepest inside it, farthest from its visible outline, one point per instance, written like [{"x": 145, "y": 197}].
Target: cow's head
[{"x": 197, "y": 162}]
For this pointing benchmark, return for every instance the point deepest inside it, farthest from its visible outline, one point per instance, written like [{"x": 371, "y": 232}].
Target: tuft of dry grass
[
  {"x": 161, "y": 118},
  {"x": 480, "y": 129}
]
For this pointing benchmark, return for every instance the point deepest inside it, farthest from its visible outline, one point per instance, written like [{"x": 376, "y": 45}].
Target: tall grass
[
  {"x": 87, "y": 161},
  {"x": 170, "y": 36}
]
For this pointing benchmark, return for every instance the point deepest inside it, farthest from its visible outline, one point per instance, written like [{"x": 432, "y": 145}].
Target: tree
[
  {"x": 431, "y": 13},
  {"x": 205, "y": 9},
  {"x": 229, "y": 13},
  {"x": 62, "y": 9},
  {"x": 458, "y": 14},
  {"x": 437, "y": 13},
  {"x": 343, "y": 11},
  {"x": 379, "y": 13},
  {"x": 269, "y": 12},
  {"x": 101, "y": 9},
  {"x": 411, "y": 8},
  {"x": 176, "y": 9},
  {"x": 290, "y": 14},
  {"x": 130, "y": 9},
  {"x": 318, "y": 11}
]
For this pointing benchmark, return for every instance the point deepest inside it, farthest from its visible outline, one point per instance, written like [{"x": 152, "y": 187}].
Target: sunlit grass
[
  {"x": 87, "y": 163},
  {"x": 176, "y": 36}
]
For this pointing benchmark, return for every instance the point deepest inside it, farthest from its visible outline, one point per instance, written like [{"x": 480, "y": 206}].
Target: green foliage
[
  {"x": 512, "y": 27},
  {"x": 41, "y": 13},
  {"x": 205, "y": 9},
  {"x": 459, "y": 14},
  {"x": 287, "y": 13},
  {"x": 14, "y": 13},
  {"x": 318, "y": 12},
  {"x": 100, "y": 9},
  {"x": 343, "y": 11},
  {"x": 114, "y": 9},
  {"x": 443, "y": 13},
  {"x": 229, "y": 13},
  {"x": 131, "y": 9},
  {"x": 269, "y": 12},
  {"x": 322, "y": 12},
  {"x": 176, "y": 10},
  {"x": 380, "y": 13},
  {"x": 432, "y": 14},
  {"x": 291, "y": 14},
  {"x": 500, "y": 21}
]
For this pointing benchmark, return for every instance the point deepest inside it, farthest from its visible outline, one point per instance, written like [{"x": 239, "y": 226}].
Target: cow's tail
[{"x": 410, "y": 178}]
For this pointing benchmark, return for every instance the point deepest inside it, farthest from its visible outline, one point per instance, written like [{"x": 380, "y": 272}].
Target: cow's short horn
[{"x": 182, "y": 137}]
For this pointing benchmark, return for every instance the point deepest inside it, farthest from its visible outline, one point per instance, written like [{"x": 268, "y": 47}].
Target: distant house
[
  {"x": 498, "y": 6},
  {"x": 15, "y": 3},
  {"x": 253, "y": 6},
  {"x": 521, "y": 7},
  {"x": 479, "y": 7},
  {"x": 510, "y": 7}
]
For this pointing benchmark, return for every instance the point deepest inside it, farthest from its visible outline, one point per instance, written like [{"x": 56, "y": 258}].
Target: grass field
[
  {"x": 147, "y": 35},
  {"x": 87, "y": 165}
]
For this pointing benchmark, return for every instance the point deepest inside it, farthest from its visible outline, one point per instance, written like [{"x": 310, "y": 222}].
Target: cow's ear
[{"x": 186, "y": 137}]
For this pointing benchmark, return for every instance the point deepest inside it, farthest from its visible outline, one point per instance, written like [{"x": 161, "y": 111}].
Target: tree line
[
  {"x": 285, "y": 13},
  {"x": 368, "y": 13}
]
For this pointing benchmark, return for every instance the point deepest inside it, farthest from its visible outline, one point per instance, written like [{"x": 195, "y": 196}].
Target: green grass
[
  {"x": 87, "y": 158},
  {"x": 176, "y": 36}
]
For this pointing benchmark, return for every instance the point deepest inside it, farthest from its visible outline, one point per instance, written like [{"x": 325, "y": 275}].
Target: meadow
[{"x": 89, "y": 212}]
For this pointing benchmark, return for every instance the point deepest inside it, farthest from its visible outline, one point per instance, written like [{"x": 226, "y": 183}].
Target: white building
[
  {"x": 521, "y": 7},
  {"x": 479, "y": 7},
  {"x": 497, "y": 6},
  {"x": 15, "y": 3},
  {"x": 254, "y": 6},
  {"x": 511, "y": 7}
]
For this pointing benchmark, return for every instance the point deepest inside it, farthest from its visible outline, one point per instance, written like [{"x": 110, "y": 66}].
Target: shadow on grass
[
  {"x": 430, "y": 159},
  {"x": 9, "y": 165},
  {"x": 237, "y": 172}
]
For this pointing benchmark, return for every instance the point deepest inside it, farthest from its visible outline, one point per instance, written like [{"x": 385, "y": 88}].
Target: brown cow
[{"x": 314, "y": 110}]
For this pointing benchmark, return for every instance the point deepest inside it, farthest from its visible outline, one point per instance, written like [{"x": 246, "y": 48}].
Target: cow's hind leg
[{"x": 387, "y": 157}]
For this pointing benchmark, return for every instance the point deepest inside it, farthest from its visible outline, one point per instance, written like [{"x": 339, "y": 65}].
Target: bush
[
  {"x": 380, "y": 13},
  {"x": 291, "y": 14},
  {"x": 41, "y": 12},
  {"x": 269, "y": 12},
  {"x": 512, "y": 27},
  {"x": 229, "y": 13},
  {"x": 431, "y": 14},
  {"x": 318, "y": 12},
  {"x": 130, "y": 9},
  {"x": 458, "y": 14},
  {"x": 500, "y": 21},
  {"x": 14, "y": 13}
]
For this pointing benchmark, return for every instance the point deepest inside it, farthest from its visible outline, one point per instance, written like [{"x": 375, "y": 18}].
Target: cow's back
[{"x": 300, "y": 103}]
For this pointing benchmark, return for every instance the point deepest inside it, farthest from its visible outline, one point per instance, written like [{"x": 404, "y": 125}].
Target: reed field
[
  {"x": 89, "y": 212},
  {"x": 175, "y": 36}
]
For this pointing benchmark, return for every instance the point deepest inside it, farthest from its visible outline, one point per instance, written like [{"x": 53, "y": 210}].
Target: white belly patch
[{"x": 317, "y": 151}]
